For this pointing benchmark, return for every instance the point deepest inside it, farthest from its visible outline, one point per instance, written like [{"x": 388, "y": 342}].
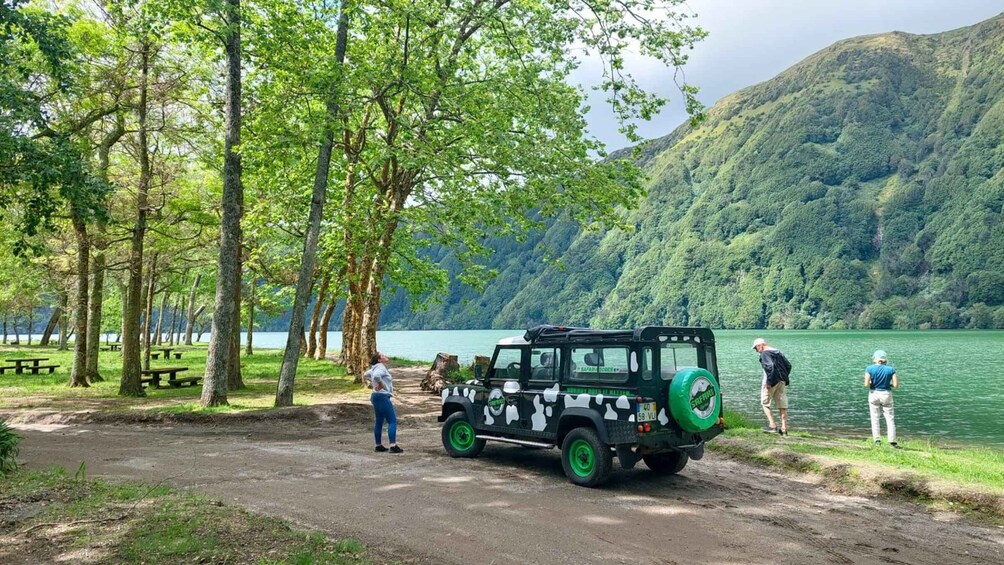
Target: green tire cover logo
[
  {"x": 694, "y": 399},
  {"x": 496, "y": 401},
  {"x": 702, "y": 397}
]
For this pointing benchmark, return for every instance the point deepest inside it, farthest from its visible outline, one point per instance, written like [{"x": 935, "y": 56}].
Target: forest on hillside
[{"x": 862, "y": 188}]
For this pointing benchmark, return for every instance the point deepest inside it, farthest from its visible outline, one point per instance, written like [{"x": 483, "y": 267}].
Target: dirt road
[{"x": 511, "y": 505}]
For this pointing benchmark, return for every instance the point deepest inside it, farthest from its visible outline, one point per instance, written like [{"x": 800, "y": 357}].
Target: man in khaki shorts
[{"x": 774, "y": 384}]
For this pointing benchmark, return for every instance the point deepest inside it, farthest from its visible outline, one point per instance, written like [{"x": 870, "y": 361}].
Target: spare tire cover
[{"x": 694, "y": 399}]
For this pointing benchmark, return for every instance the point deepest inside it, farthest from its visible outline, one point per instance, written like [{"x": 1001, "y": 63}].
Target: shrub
[{"x": 8, "y": 448}]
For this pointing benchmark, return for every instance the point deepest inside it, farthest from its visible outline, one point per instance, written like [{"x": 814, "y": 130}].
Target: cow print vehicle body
[{"x": 648, "y": 394}]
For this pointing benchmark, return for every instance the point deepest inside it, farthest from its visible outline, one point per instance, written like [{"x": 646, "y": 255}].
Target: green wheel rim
[
  {"x": 581, "y": 458},
  {"x": 461, "y": 436}
]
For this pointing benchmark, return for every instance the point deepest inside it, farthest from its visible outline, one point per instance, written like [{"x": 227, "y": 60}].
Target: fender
[
  {"x": 457, "y": 400},
  {"x": 591, "y": 415}
]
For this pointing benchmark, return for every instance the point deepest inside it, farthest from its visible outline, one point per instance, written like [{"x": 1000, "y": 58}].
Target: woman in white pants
[{"x": 880, "y": 378}]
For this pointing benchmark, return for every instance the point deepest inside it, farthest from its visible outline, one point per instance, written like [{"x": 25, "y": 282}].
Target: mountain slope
[{"x": 862, "y": 187}]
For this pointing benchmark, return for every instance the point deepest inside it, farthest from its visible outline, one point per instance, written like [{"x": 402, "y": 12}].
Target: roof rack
[{"x": 552, "y": 334}]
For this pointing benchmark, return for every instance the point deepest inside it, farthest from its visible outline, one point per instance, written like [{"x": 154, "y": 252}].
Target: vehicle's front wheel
[
  {"x": 459, "y": 437},
  {"x": 585, "y": 459},
  {"x": 669, "y": 463}
]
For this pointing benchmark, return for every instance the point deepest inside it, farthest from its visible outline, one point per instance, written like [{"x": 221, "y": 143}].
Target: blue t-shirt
[{"x": 881, "y": 376}]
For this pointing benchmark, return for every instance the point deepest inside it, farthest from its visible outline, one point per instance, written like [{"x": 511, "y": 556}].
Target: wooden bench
[
  {"x": 190, "y": 381},
  {"x": 36, "y": 368},
  {"x": 155, "y": 356},
  {"x": 10, "y": 368}
]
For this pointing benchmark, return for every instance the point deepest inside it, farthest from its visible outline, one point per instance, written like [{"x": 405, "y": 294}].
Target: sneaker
[
  {"x": 783, "y": 433},
  {"x": 396, "y": 449},
  {"x": 769, "y": 430},
  {"x": 877, "y": 442},
  {"x": 380, "y": 448},
  {"x": 894, "y": 445}
]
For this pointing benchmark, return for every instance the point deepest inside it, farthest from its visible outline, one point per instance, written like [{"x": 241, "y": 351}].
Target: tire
[
  {"x": 695, "y": 400},
  {"x": 458, "y": 437},
  {"x": 669, "y": 463},
  {"x": 585, "y": 459}
]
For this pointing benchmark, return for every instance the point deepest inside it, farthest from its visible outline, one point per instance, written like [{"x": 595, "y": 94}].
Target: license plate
[{"x": 646, "y": 411}]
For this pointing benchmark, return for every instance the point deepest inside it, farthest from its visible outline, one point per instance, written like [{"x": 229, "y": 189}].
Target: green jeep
[{"x": 651, "y": 394}]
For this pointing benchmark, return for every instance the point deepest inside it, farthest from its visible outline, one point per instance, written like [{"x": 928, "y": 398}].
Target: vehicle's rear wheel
[
  {"x": 459, "y": 437},
  {"x": 585, "y": 459},
  {"x": 669, "y": 463}
]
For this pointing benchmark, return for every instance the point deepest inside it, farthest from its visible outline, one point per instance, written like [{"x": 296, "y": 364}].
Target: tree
[
  {"x": 220, "y": 364},
  {"x": 290, "y": 359},
  {"x": 464, "y": 108}
]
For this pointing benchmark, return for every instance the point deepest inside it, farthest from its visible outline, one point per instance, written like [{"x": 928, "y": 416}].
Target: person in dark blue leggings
[{"x": 383, "y": 408}]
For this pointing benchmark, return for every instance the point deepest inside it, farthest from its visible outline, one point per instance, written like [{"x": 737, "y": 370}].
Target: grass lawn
[
  {"x": 316, "y": 382},
  {"x": 966, "y": 478},
  {"x": 52, "y": 517}
]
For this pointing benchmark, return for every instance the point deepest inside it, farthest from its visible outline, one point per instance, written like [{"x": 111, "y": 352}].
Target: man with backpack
[{"x": 776, "y": 369}]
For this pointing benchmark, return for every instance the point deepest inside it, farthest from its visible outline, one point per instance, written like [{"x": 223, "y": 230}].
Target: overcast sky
[{"x": 752, "y": 40}]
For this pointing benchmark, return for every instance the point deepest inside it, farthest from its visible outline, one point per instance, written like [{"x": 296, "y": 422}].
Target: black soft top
[{"x": 553, "y": 334}]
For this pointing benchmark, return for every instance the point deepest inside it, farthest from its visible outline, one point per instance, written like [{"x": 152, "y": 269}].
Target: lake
[{"x": 951, "y": 382}]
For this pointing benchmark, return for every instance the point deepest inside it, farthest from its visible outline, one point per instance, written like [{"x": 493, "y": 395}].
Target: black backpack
[
  {"x": 781, "y": 366},
  {"x": 784, "y": 367}
]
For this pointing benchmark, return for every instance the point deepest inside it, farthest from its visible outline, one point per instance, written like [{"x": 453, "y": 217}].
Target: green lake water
[{"x": 951, "y": 382}]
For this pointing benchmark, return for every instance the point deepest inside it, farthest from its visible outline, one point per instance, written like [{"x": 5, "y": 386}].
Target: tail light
[{"x": 648, "y": 427}]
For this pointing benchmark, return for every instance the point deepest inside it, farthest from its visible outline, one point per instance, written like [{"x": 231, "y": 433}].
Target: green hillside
[{"x": 863, "y": 187}]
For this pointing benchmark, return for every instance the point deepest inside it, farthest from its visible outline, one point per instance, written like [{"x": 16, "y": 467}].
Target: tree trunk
[
  {"x": 130, "y": 384},
  {"x": 235, "y": 380},
  {"x": 161, "y": 314},
  {"x": 148, "y": 322},
  {"x": 322, "y": 339},
  {"x": 250, "y": 348},
  {"x": 290, "y": 357},
  {"x": 124, "y": 293},
  {"x": 5, "y": 329},
  {"x": 190, "y": 323},
  {"x": 214, "y": 390},
  {"x": 175, "y": 337},
  {"x": 78, "y": 374},
  {"x": 94, "y": 318},
  {"x": 315, "y": 318},
  {"x": 31, "y": 321},
  {"x": 51, "y": 326},
  {"x": 98, "y": 270},
  {"x": 64, "y": 324}
]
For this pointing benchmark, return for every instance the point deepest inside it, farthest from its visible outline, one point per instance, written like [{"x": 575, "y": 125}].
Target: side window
[
  {"x": 646, "y": 363},
  {"x": 544, "y": 364},
  {"x": 676, "y": 356},
  {"x": 600, "y": 364},
  {"x": 507, "y": 364}
]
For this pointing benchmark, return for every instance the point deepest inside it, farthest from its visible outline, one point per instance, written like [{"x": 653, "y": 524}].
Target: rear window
[
  {"x": 599, "y": 364},
  {"x": 677, "y": 356}
]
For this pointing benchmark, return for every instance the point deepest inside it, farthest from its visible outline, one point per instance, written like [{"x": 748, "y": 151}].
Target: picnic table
[
  {"x": 32, "y": 364},
  {"x": 114, "y": 346},
  {"x": 167, "y": 352},
  {"x": 154, "y": 376}
]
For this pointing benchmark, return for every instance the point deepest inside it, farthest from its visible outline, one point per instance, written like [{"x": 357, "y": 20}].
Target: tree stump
[
  {"x": 436, "y": 378},
  {"x": 480, "y": 361}
]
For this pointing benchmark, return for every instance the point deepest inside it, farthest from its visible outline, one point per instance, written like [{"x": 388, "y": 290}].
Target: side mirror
[{"x": 477, "y": 372}]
